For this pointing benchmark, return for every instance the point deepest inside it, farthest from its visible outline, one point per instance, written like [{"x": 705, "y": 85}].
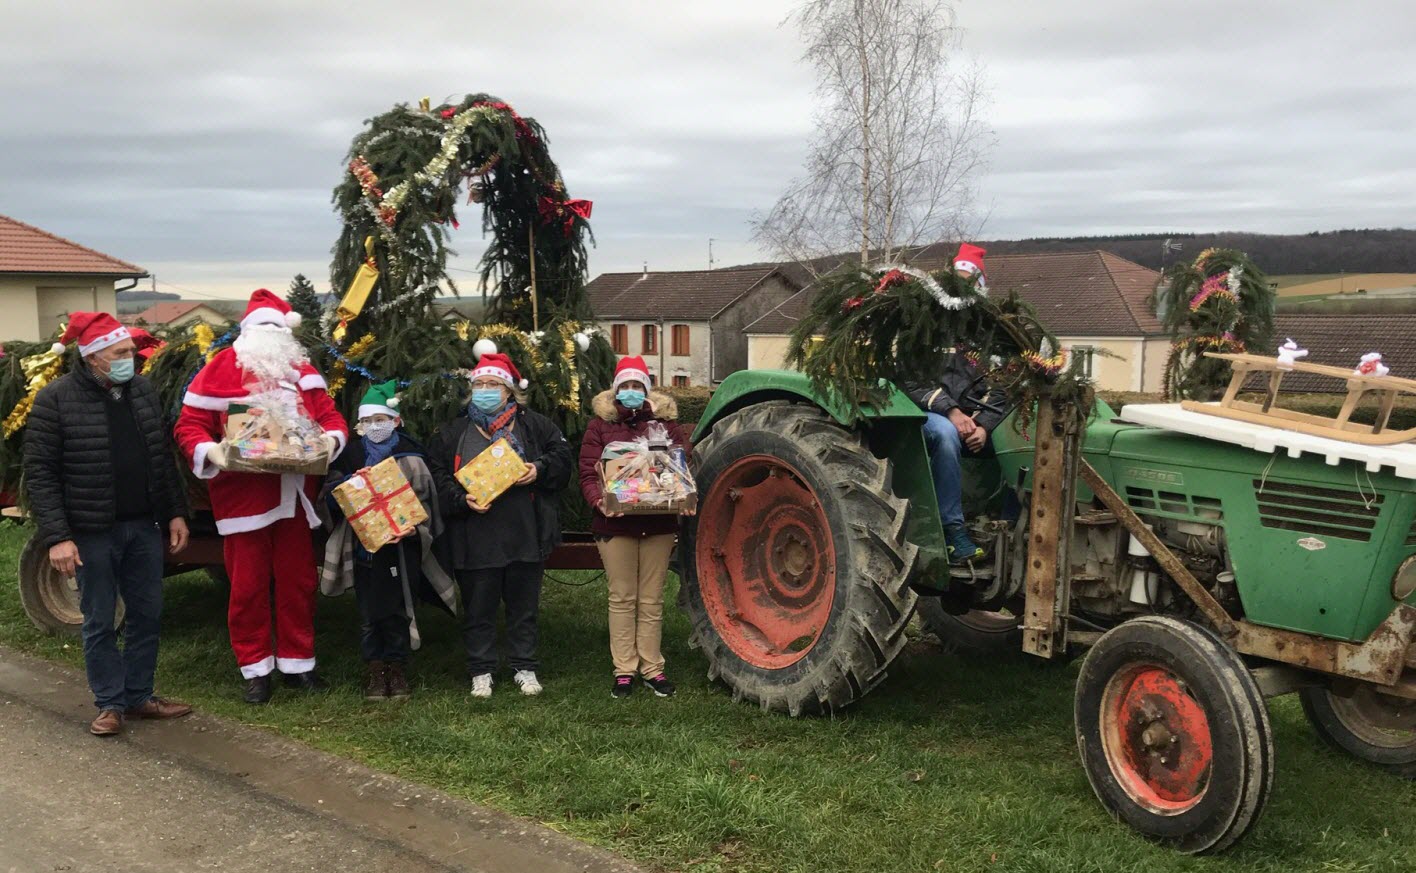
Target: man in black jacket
[
  {"x": 101, "y": 480},
  {"x": 962, "y": 412}
]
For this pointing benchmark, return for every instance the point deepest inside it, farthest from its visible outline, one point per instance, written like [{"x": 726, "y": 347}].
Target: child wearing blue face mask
[
  {"x": 499, "y": 551},
  {"x": 388, "y": 581},
  {"x": 634, "y": 549}
]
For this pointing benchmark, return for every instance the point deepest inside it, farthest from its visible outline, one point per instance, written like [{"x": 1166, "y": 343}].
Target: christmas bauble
[{"x": 483, "y": 347}]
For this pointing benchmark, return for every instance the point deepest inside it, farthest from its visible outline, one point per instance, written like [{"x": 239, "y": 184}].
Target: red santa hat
[
  {"x": 969, "y": 260},
  {"x": 94, "y": 332},
  {"x": 631, "y": 369},
  {"x": 495, "y": 365},
  {"x": 266, "y": 308}
]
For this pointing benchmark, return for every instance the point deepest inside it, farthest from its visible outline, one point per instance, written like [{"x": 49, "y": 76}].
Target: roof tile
[
  {"x": 695, "y": 295},
  {"x": 1076, "y": 294},
  {"x": 25, "y": 248}
]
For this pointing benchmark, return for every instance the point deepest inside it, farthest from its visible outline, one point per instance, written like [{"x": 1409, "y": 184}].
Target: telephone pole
[{"x": 710, "y": 252}]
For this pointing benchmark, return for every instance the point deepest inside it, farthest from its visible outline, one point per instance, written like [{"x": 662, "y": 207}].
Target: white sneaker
[
  {"x": 482, "y": 685},
  {"x": 526, "y": 681}
]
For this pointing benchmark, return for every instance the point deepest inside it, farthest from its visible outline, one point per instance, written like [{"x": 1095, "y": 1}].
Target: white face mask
[{"x": 378, "y": 431}]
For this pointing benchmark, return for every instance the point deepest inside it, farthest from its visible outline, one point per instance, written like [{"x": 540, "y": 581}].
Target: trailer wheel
[
  {"x": 1173, "y": 733},
  {"x": 796, "y": 569},
  {"x": 976, "y": 632},
  {"x": 49, "y": 598},
  {"x": 1374, "y": 727}
]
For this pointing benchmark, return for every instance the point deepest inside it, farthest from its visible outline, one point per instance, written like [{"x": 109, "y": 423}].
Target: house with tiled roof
[
  {"x": 688, "y": 325},
  {"x": 1090, "y": 300},
  {"x": 175, "y": 313},
  {"x": 44, "y": 277}
]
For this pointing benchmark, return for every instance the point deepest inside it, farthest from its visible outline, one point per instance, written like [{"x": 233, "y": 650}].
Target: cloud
[{"x": 203, "y": 140}]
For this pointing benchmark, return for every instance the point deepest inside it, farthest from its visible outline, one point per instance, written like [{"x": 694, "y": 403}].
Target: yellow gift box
[
  {"x": 380, "y": 504},
  {"x": 488, "y": 476}
]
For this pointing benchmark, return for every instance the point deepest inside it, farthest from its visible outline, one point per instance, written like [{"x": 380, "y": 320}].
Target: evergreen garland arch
[{"x": 405, "y": 176}]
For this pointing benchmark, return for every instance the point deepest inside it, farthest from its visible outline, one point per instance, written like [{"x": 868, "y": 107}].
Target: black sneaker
[
  {"x": 622, "y": 687},
  {"x": 661, "y": 685}
]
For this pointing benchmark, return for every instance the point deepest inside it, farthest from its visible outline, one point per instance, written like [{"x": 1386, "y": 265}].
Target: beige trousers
[{"x": 636, "y": 567}]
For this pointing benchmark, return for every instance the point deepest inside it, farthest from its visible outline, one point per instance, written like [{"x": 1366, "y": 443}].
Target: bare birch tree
[{"x": 899, "y": 137}]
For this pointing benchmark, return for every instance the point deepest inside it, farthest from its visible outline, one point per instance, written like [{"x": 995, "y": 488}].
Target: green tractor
[{"x": 1203, "y": 577}]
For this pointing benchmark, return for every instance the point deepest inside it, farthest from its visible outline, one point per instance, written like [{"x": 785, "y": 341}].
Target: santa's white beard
[{"x": 270, "y": 353}]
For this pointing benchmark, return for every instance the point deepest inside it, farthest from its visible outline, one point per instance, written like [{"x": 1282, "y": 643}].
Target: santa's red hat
[
  {"x": 631, "y": 369},
  {"x": 969, "y": 260},
  {"x": 94, "y": 332},
  {"x": 495, "y": 365},
  {"x": 266, "y": 308}
]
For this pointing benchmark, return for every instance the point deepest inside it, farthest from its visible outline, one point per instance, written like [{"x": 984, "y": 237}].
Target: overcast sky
[{"x": 202, "y": 140}]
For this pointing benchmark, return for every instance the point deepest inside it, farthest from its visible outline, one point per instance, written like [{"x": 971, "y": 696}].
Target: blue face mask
[
  {"x": 487, "y": 399},
  {"x": 121, "y": 370},
  {"x": 631, "y": 398}
]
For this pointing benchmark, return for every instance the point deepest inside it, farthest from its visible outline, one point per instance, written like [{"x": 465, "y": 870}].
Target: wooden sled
[{"x": 1386, "y": 389}]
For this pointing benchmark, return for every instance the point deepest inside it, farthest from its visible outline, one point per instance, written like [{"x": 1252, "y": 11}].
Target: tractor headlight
[{"x": 1403, "y": 584}]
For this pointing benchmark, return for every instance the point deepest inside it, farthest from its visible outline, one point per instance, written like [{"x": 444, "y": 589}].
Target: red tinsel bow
[
  {"x": 852, "y": 304},
  {"x": 449, "y": 112},
  {"x": 553, "y": 209},
  {"x": 891, "y": 279}
]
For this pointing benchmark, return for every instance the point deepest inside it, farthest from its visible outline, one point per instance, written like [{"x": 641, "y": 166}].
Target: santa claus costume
[{"x": 265, "y": 518}]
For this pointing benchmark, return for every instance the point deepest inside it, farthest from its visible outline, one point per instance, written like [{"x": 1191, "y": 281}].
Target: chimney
[{"x": 646, "y": 268}]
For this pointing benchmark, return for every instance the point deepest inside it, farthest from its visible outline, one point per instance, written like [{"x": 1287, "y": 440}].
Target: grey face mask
[{"x": 379, "y": 431}]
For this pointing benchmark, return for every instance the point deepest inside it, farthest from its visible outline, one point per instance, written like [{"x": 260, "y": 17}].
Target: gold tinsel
[
  {"x": 204, "y": 337},
  {"x": 40, "y": 370},
  {"x": 340, "y": 372}
]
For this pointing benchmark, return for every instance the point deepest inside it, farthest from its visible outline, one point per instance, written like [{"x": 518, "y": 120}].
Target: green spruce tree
[{"x": 303, "y": 298}]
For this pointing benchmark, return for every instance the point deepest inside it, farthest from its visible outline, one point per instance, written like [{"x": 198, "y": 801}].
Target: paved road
[{"x": 203, "y": 794}]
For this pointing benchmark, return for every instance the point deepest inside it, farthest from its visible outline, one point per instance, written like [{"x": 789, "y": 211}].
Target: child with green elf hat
[{"x": 386, "y": 582}]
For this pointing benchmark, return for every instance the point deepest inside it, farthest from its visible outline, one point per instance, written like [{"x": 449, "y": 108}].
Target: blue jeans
[
  {"x": 946, "y": 447},
  {"x": 124, "y": 560}
]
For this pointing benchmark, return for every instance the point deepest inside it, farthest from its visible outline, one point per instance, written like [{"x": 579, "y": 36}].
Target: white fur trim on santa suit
[
  {"x": 292, "y": 491},
  {"x": 263, "y": 667},
  {"x": 631, "y": 375},
  {"x": 113, "y": 337},
  {"x": 264, "y": 315},
  {"x": 291, "y": 666},
  {"x": 201, "y": 401},
  {"x": 200, "y": 468},
  {"x": 312, "y": 380},
  {"x": 338, "y": 437}
]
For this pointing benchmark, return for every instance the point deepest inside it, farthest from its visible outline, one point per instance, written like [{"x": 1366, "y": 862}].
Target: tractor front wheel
[
  {"x": 1174, "y": 734},
  {"x": 1366, "y": 724},
  {"x": 796, "y": 569}
]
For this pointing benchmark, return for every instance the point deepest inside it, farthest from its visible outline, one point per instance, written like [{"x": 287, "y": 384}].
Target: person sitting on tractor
[{"x": 962, "y": 413}]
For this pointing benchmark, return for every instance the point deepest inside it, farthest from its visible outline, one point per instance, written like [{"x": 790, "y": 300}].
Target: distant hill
[{"x": 1322, "y": 252}]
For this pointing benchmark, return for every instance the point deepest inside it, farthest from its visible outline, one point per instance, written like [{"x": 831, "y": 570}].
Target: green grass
[{"x": 951, "y": 765}]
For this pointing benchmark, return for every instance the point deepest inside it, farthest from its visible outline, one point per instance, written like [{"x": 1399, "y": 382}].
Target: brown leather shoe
[
  {"x": 157, "y": 707},
  {"x": 376, "y": 682},
  {"x": 108, "y": 724},
  {"x": 397, "y": 681}
]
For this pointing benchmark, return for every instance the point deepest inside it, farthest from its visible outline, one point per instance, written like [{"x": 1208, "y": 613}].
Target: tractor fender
[{"x": 747, "y": 387}]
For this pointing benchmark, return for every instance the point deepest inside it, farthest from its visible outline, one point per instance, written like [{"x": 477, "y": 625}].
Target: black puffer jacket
[
  {"x": 958, "y": 384},
  {"x": 69, "y": 466}
]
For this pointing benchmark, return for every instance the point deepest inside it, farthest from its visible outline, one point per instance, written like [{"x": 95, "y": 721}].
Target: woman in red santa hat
[
  {"x": 263, "y": 515},
  {"x": 498, "y": 551}
]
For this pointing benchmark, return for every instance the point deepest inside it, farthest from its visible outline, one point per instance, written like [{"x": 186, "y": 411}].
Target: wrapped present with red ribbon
[{"x": 380, "y": 504}]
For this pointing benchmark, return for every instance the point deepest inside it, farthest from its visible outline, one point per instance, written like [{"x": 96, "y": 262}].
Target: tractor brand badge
[
  {"x": 1312, "y": 544},
  {"x": 1164, "y": 477}
]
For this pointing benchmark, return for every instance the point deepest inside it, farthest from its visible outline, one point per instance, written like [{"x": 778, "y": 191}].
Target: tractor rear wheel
[
  {"x": 49, "y": 598},
  {"x": 1173, "y": 733},
  {"x": 975, "y": 632},
  {"x": 1369, "y": 725},
  {"x": 795, "y": 571}
]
